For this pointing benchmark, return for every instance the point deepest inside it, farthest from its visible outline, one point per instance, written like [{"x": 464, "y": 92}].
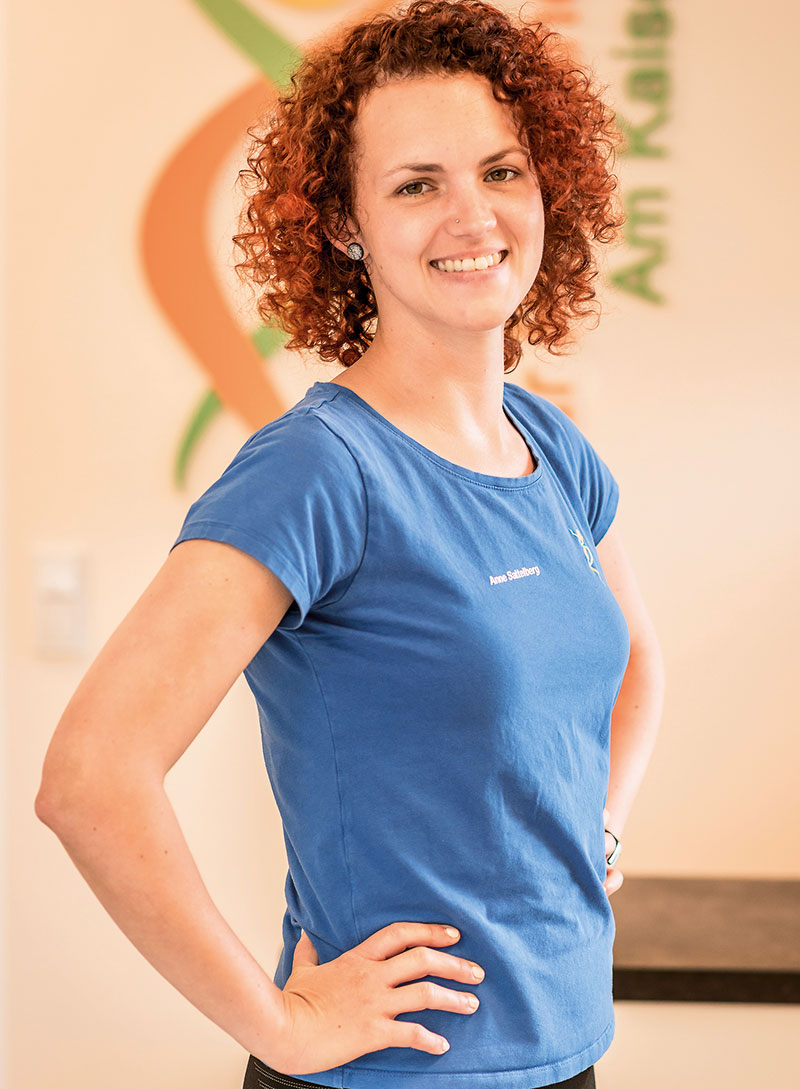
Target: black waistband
[{"x": 260, "y": 1076}]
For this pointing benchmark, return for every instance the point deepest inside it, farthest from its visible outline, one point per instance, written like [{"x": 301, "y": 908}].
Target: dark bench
[{"x": 690, "y": 939}]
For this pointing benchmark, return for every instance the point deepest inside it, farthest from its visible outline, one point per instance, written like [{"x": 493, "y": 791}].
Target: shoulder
[
  {"x": 539, "y": 407},
  {"x": 293, "y": 498},
  {"x": 294, "y": 466},
  {"x": 577, "y": 464},
  {"x": 550, "y": 424},
  {"x": 304, "y": 436},
  {"x": 299, "y": 451}
]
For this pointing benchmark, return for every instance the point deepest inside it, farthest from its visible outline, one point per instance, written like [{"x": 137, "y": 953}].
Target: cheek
[
  {"x": 537, "y": 217},
  {"x": 399, "y": 244},
  {"x": 536, "y": 236},
  {"x": 534, "y": 230},
  {"x": 529, "y": 214},
  {"x": 538, "y": 229}
]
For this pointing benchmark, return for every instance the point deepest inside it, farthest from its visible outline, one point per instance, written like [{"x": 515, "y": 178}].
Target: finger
[
  {"x": 424, "y": 961},
  {"x": 432, "y": 996},
  {"x": 613, "y": 881},
  {"x": 397, "y": 937},
  {"x": 410, "y": 1034}
]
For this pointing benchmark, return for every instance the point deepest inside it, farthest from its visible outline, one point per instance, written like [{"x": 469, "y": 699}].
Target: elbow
[
  {"x": 42, "y": 808},
  {"x": 67, "y": 793},
  {"x": 73, "y": 775},
  {"x": 81, "y": 791},
  {"x": 68, "y": 810},
  {"x": 52, "y": 805}
]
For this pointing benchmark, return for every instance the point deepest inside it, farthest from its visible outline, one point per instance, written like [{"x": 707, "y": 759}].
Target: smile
[{"x": 471, "y": 264}]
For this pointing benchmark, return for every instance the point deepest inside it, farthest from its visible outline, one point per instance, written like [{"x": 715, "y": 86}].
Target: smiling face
[{"x": 430, "y": 151}]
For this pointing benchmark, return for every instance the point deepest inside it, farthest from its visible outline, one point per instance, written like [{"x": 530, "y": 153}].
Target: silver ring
[{"x": 612, "y": 858}]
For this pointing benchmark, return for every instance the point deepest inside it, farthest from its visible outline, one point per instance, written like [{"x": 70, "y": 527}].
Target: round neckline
[{"x": 486, "y": 479}]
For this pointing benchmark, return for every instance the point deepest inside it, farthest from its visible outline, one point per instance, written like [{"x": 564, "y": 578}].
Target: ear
[
  {"x": 342, "y": 237},
  {"x": 339, "y": 243}
]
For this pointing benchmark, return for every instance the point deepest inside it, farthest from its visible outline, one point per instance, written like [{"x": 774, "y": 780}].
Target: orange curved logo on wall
[{"x": 177, "y": 265}]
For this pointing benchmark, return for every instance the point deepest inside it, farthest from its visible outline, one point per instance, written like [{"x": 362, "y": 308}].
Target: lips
[{"x": 484, "y": 262}]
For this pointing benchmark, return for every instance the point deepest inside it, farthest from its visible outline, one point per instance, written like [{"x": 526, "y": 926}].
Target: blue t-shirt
[{"x": 435, "y": 715}]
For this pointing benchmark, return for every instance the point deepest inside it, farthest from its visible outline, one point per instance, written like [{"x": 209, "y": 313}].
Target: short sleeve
[
  {"x": 599, "y": 490},
  {"x": 294, "y": 499}
]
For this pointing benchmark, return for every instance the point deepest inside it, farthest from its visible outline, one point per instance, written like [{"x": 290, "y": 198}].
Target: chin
[{"x": 485, "y": 322}]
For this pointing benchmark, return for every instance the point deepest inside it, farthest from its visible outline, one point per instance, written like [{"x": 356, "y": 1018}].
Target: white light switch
[{"x": 60, "y": 601}]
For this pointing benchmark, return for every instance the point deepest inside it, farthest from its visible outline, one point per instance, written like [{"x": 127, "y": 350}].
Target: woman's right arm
[
  {"x": 144, "y": 699},
  {"x": 147, "y": 695}
]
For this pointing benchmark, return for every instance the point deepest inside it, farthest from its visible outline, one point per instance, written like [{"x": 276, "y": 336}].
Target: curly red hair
[{"x": 301, "y": 171}]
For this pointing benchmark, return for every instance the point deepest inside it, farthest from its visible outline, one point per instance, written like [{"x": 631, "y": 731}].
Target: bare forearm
[
  {"x": 634, "y": 726},
  {"x": 135, "y": 858}
]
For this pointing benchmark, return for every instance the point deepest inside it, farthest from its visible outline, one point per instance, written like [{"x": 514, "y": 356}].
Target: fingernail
[{"x": 451, "y": 930}]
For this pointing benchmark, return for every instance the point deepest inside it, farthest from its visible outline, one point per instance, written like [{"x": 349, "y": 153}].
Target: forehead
[{"x": 421, "y": 116}]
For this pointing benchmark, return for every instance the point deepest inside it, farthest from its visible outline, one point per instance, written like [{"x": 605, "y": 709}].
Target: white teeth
[{"x": 469, "y": 264}]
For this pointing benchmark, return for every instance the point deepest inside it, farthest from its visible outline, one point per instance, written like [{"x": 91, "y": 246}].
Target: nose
[{"x": 471, "y": 212}]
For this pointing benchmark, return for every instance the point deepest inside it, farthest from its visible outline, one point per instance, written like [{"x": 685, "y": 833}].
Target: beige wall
[{"x": 691, "y": 404}]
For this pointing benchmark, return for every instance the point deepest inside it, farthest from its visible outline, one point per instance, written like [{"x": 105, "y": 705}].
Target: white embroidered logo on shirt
[
  {"x": 587, "y": 552},
  {"x": 517, "y": 573}
]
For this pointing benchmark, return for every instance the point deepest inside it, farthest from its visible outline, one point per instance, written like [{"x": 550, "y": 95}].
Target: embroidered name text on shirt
[{"x": 517, "y": 573}]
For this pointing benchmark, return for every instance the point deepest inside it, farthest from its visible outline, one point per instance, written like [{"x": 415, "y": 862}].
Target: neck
[{"x": 437, "y": 386}]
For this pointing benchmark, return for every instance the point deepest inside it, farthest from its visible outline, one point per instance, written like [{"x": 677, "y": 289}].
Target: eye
[
  {"x": 505, "y": 170},
  {"x": 408, "y": 185}
]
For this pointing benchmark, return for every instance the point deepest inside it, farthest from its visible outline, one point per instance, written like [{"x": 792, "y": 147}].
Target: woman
[{"x": 416, "y": 568}]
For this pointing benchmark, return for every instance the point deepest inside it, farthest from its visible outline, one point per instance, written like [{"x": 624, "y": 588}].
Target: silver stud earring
[{"x": 355, "y": 251}]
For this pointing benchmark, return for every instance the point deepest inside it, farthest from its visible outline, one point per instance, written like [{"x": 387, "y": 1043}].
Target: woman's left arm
[{"x": 637, "y": 712}]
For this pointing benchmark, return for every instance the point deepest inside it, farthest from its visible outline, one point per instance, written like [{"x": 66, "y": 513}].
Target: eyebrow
[{"x": 435, "y": 168}]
